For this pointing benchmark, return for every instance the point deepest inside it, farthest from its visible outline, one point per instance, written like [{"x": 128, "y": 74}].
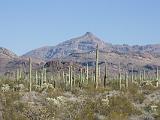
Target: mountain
[
  {"x": 151, "y": 49},
  {"x": 82, "y": 51},
  {"x": 9, "y": 61},
  {"x": 5, "y": 53},
  {"x": 84, "y": 43},
  {"x": 5, "y": 56},
  {"x": 39, "y": 53}
]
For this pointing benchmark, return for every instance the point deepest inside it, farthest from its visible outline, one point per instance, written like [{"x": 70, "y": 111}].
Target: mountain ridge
[
  {"x": 82, "y": 50},
  {"x": 86, "y": 43}
]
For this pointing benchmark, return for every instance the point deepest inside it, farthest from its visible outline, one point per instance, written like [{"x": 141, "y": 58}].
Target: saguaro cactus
[
  {"x": 17, "y": 75},
  {"x": 63, "y": 76},
  {"x": 96, "y": 68},
  {"x": 120, "y": 77},
  {"x": 144, "y": 75},
  {"x": 81, "y": 74},
  {"x": 45, "y": 75},
  {"x": 71, "y": 75},
  {"x": 157, "y": 74},
  {"x": 92, "y": 76},
  {"x": 157, "y": 77},
  {"x": 20, "y": 73},
  {"x": 54, "y": 84},
  {"x": 140, "y": 77},
  {"x": 126, "y": 79},
  {"x": 66, "y": 79},
  {"x": 42, "y": 78},
  {"x": 105, "y": 76},
  {"x": 135, "y": 77},
  {"x": 30, "y": 75},
  {"x": 74, "y": 76},
  {"x": 132, "y": 75},
  {"x": 99, "y": 73},
  {"x": 39, "y": 79},
  {"x": 36, "y": 78},
  {"x": 87, "y": 73}
]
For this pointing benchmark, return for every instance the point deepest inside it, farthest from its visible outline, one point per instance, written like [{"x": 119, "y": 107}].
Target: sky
[{"x": 30, "y": 24}]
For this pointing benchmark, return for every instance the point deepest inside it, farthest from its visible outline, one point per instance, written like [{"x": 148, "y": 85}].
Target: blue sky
[{"x": 29, "y": 24}]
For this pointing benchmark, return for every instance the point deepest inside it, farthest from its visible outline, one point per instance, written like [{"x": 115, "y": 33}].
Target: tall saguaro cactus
[
  {"x": 20, "y": 73},
  {"x": 39, "y": 79},
  {"x": 36, "y": 78},
  {"x": 157, "y": 77},
  {"x": 71, "y": 75},
  {"x": 30, "y": 75},
  {"x": 99, "y": 73},
  {"x": 126, "y": 79},
  {"x": 120, "y": 77},
  {"x": 97, "y": 68},
  {"x": 63, "y": 76},
  {"x": 140, "y": 77},
  {"x": 105, "y": 76},
  {"x": 74, "y": 76},
  {"x": 17, "y": 75},
  {"x": 87, "y": 73},
  {"x": 144, "y": 75},
  {"x": 157, "y": 74},
  {"x": 81, "y": 81},
  {"x": 45, "y": 75},
  {"x": 132, "y": 75},
  {"x": 92, "y": 75},
  {"x": 42, "y": 78}
]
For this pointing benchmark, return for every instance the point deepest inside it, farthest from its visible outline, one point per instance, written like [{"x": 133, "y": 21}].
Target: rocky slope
[
  {"x": 87, "y": 43},
  {"x": 82, "y": 50},
  {"x": 40, "y": 53},
  {"x": 5, "y": 53},
  {"x": 9, "y": 61},
  {"x": 80, "y": 44},
  {"x": 5, "y": 56}
]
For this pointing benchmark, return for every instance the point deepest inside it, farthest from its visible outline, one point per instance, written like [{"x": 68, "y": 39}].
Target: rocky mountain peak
[
  {"x": 88, "y": 41},
  {"x": 89, "y": 34},
  {"x": 82, "y": 44},
  {"x": 82, "y": 49}
]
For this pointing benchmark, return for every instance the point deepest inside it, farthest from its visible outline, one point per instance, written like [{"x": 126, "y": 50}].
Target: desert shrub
[
  {"x": 11, "y": 97},
  {"x": 77, "y": 92},
  {"x": 14, "y": 111},
  {"x": 134, "y": 95},
  {"x": 148, "y": 89},
  {"x": 119, "y": 108},
  {"x": 122, "y": 106},
  {"x": 87, "y": 112},
  {"x": 117, "y": 116},
  {"x": 157, "y": 116},
  {"x": 114, "y": 84},
  {"x": 139, "y": 98},
  {"x": 52, "y": 93}
]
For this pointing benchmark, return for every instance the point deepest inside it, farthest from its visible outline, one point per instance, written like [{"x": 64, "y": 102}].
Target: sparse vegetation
[{"x": 76, "y": 94}]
